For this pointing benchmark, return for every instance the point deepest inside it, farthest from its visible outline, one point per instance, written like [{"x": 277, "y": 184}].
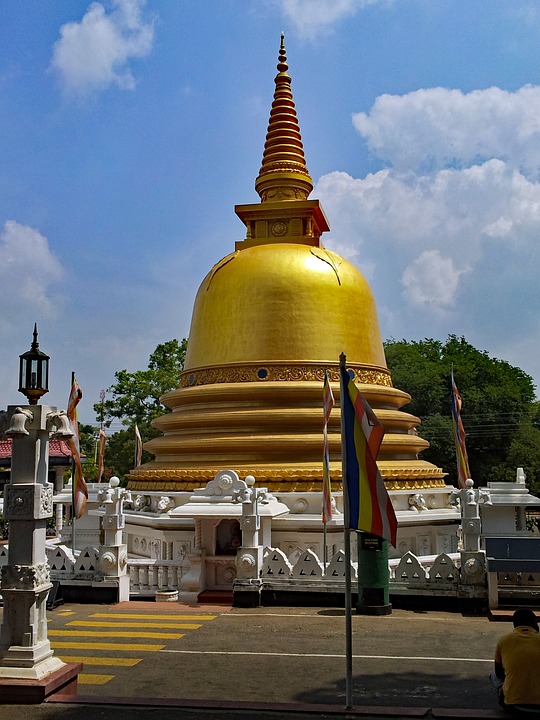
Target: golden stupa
[{"x": 268, "y": 320}]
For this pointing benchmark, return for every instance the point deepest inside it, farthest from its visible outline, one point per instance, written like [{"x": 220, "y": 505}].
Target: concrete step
[
  {"x": 216, "y": 597},
  {"x": 505, "y": 614}
]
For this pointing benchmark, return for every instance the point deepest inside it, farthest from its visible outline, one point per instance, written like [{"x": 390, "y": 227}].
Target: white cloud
[
  {"x": 450, "y": 228},
  {"x": 29, "y": 273},
  {"x": 311, "y": 17},
  {"x": 431, "y": 279},
  {"x": 463, "y": 183},
  {"x": 93, "y": 54},
  {"x": 429, "y": 129},
  {"x": 460, "y": 209},
  {"x": 452, "y": 251}
]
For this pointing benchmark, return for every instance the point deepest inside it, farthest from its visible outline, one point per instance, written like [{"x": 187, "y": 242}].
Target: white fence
[
  {"x": 147, "y": 577},
  {"x": 300, "y": 569},
  {"x": 437, "y": 574}
]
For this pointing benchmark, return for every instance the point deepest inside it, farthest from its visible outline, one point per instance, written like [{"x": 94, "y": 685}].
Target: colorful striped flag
[
  {"x": 80, "y": 491},
  {"x": 102, "y": 443},
  {"x": 328, "y": 404},
  {"x": 459, "y": 436},
  {"x": 138, "y": 447},
  {"x": 370, "y": 507}
]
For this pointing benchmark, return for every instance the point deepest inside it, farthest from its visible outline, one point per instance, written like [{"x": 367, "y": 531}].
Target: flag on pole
[
  {"x": 102, "y": 443},
  {"x": 328, "y": 404},
  {"x": 370, "y": 507},
  {"x": 80, "y": 491},
  {"x": 459, "y": 436},
  {"x": 138, "y": 447}
]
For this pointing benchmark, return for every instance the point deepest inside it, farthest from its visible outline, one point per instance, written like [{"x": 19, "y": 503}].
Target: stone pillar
[
  {"x": 197, "y": 543},
  {"x": 113, "y": 552},
  {"x": 58, "y": 487},
  {"x": 247, "y": 586},
  {"x": 25, "y": 650},
  {"x": 473, "y": 559}
]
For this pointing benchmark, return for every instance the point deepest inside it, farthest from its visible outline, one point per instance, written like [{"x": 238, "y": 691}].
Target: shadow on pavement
[{"x": 408, "y": 689}]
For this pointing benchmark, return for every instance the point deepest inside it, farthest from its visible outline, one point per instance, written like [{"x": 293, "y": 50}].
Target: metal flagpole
[
  {"x": 100, "y": 439},
  {"x": 73, "y": 513},
  {"x": 72, "y": 464},
  {"x": 347, "y": 542},
  {"x": 328, "y": 404}
]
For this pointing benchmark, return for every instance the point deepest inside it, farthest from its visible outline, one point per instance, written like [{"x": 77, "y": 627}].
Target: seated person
[{"x": 517, "y": 663}]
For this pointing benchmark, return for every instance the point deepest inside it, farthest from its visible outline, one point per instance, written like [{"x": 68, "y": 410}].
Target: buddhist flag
[
  {"x": 328, "y": 404},
  {"x": 459, "y": 436},
  {"x": 80, "y": 491},
  {"x": 102, "y": 443},
  {"x": 138, "y": 447},
  {"x": 370, "y": 507}
]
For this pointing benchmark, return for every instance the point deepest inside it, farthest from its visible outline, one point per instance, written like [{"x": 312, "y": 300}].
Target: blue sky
[{"x": 130, "y": 129}]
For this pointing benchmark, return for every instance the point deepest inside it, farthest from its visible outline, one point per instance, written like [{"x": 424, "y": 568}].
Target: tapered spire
[{"x": 283, "y": 174}]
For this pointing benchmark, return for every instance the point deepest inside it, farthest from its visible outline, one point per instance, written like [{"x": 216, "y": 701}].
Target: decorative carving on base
[
  {"x": 276, "y": 372},
  {"x": 306, "y": 480},
  {"x": 28, "y": 501},
  {"x": 473, "y": 567},
  {"x": 107, "y": 562},
  {"x": 417, "y": 502},
  {"x": 25, "y": 577}
]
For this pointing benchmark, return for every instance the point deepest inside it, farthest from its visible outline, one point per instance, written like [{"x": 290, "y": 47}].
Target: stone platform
[{"x": 28, "y": 692}]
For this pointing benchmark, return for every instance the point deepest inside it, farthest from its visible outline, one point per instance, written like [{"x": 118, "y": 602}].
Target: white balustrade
[{"x": 148, "y": 576}]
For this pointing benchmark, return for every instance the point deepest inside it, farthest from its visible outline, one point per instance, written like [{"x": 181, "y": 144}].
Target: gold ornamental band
[
  {"x": 275, "y": 372},
  {"x": 279, "y": 480}
]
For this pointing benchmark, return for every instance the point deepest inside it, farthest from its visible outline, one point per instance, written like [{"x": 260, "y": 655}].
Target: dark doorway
[{"x": 228, "y": 537}]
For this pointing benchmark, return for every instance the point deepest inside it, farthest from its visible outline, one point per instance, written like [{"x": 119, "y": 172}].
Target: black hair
[{"x": 525, "y": 616}]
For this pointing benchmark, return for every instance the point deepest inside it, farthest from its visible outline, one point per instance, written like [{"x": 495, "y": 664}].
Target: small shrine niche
[{"x": 228, "y": 537}]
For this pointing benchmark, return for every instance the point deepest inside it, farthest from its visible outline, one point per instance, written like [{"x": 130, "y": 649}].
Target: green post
[{"x": 373, "y": 576}]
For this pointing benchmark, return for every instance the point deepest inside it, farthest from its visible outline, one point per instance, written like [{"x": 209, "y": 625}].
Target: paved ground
[{"x": 268, "y": 662}]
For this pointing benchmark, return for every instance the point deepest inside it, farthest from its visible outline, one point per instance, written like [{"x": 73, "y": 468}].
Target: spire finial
[
  {"x": 283, "y": 174},
  {"x": 282, "y": 60}
]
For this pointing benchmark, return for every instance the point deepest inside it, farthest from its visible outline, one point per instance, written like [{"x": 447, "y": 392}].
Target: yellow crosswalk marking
[
  {"x": 152, "y": 616},
  {"x": 110, "y": 623},
  {"x": 89, "y": 679},
  {"x": 86, "y": 638},
  {"x": 91, "y": 660},
  {"x": 115, "y": 633},
  {"x": 133, "y": 647}
]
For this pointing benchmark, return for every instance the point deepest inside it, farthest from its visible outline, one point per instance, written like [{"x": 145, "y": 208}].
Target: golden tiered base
[
  {"x": 273, "y": 431},
  {"x": 279, "y": 481}
]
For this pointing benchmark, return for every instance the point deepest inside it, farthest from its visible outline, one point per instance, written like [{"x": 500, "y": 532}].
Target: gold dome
[
  {"x": 283, "y": 302},
  {"x": 268, "y": 320}
]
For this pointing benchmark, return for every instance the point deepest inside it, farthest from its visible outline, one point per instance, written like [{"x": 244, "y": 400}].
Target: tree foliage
[
  {"x": 135, "y": 395},
  {"x": 499, "y": 411},
  {"x": 88, "y": 436},
  {"x": 135, "y": 400}
]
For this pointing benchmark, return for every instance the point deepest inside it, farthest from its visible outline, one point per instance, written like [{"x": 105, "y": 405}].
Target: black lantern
[{"x": 34, "y": 372}]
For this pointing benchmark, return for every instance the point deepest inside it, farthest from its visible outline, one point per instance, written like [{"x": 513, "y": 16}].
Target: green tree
[
  {"x": 524, "y": 450},
  {"x": 497, "y": 399},
  {"x": 88, "y": 437},
  {"x": 135, "y": 399},
  {"x": 135, "y": 395},
  {"x": 120, "y": 453}
]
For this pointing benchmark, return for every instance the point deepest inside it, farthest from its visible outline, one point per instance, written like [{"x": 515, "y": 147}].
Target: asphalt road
[{"x": 274, "y": 655}]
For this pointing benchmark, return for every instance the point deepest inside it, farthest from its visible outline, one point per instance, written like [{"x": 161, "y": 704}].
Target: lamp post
[
  {"x": 34, "y": 372},
  {"x": 28, "y": 669}
]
